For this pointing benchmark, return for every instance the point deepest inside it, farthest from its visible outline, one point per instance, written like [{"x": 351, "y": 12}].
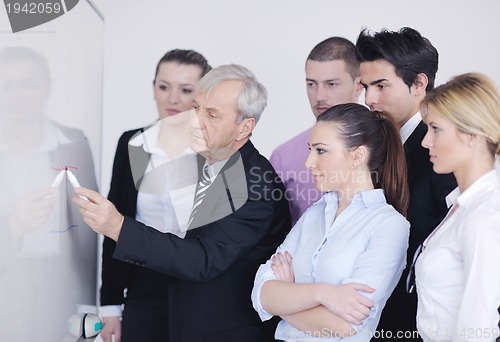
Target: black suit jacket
[
  {"x": 143, "y": 285},
  {"x": 428, "y": 191},
  {"x": 213, "y": 267}
]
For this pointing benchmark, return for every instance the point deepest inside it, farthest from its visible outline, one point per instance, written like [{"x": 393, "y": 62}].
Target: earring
[
  {"x": 355, "y": 166},
  {"x": 471, "y": 136}
]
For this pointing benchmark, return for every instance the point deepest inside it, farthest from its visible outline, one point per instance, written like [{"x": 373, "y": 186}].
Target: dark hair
[
  {"x": 17, "y": 54},
  {"x": 409, "y": 52},
  {"x": 189, "y": 57},
  {"x": 358, "y": 126},
  {"x": 337, "y": 48}
]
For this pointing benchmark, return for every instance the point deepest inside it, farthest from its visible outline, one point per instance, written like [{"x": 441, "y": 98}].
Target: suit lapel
[
  {"x": 415, "y": 139},
  {"x": 228, "y": 190},
  {"x": 212, "y": 197},
  {"x": 138, "y": 159}
]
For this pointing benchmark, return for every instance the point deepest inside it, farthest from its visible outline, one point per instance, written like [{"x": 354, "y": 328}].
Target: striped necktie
[{"x": 201, "y": 191}]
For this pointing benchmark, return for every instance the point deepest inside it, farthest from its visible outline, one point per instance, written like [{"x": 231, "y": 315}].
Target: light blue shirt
[{"x": 366, "y": 244}]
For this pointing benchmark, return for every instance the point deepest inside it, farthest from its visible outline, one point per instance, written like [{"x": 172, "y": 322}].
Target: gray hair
[{"x": 253, "y": 97}]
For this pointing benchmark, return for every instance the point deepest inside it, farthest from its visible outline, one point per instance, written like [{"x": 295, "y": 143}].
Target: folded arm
[
  {"x": 320, "y": 320},
  {"x": 344, "y": 302}
]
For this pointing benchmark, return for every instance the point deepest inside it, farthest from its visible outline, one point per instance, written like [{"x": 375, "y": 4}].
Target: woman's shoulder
[
  {"x": 484, "y": 219},
  {"x": 376, "y": 205},
  {"x": 385, "y": 216},
  {"x": 485, "y": 206},
  {"x": 479, "y": 230}
]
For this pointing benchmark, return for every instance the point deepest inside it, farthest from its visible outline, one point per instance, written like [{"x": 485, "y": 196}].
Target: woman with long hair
[
  {"x": 332, "y": 275},
  {"x": 457, "y": 271}
]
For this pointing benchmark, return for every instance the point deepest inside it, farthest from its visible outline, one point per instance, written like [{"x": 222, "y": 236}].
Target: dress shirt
[
  {"x": 156, "y": 209},
  {"x": 409, "y": 126},
  {"x": 153, "y": 209},
  {"x": 215, "y": 168},
  {"x": 457, "y": 273},
  {"x": 289, "y": 162},
  {"x": 365, "y": 244}
]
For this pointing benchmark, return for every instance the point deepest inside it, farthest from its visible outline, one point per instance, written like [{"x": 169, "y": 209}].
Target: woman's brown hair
[{"x": 358, "y": 126}]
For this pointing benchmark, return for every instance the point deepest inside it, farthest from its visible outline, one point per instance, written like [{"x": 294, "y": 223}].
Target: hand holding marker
[
  {"x": 72, "y": 179},
  {"x": 74, "y": 182}
]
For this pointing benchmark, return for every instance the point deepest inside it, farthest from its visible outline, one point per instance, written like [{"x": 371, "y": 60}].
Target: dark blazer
[
  {"x": 428, "y": 191},
  {"x": 213, "y": 267},
  {"x": 145, "y": 287}
]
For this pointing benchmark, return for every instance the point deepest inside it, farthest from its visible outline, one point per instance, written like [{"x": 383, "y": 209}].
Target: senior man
[{"x": 213, "y": 267}]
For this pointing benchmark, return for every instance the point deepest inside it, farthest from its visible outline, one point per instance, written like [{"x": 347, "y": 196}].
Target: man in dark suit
[
  {"x": 397, "y": 70},
  {"x": 233, "y": 230}
]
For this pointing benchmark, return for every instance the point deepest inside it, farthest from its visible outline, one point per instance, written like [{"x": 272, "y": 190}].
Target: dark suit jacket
[
  {"x": 428, "y": 191},
  {"x": 143, "y": 285},
  {"x": 213, "y": 267}
]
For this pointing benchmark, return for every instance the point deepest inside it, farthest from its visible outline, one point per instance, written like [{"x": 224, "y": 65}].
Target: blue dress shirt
[{"x": 365, "y": 244}]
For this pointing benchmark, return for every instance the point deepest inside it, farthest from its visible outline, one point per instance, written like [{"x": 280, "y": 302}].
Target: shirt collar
[
  {"x": 409, "y": 126},
  {"x": 484, "y": 183},
  {"x": 369, "y": 198},
  {"x": 214, "y": 169},
  {"x": 148, "y": 139}
]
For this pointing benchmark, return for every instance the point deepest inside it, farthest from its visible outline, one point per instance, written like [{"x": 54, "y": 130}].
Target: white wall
[
  {"x": 272, "y": 38},
  {"x": 48, "y": 255}
]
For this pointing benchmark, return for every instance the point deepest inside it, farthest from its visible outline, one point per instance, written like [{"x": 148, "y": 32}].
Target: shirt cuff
[
  {"x": 110, "y": 311},
  {"x": 263, "y": 274},
  {"x": 361, "y": 329}
]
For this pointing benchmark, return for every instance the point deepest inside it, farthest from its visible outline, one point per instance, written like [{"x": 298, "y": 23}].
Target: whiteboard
[{"x": 50, "y": 120}]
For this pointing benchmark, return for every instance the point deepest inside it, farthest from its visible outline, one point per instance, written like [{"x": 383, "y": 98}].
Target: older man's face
[{"x": 215, "y": 131}]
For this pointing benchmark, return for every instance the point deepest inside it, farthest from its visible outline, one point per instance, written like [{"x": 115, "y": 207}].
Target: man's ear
[
  {"x": 359, "y": 87},
  {"x": 246, "y": 128},
  {"x": 420, "y": 84}
]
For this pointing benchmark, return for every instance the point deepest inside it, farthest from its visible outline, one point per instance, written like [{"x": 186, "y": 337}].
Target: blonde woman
[{"x": 458, "y": 272}]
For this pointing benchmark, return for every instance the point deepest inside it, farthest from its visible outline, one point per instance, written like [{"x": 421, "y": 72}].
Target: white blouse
[
  {"x": 155, "y": 209},
  {"x": 458, "y": 271}
]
